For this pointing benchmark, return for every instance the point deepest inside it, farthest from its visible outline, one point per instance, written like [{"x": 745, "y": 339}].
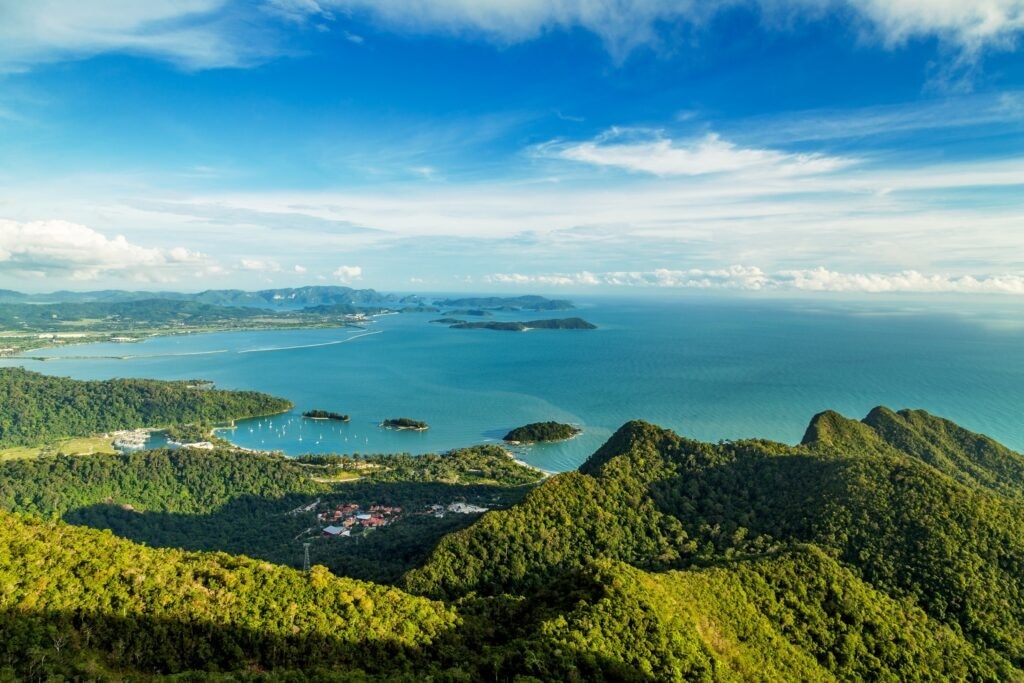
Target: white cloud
[
  {"x": 192, "y": 33},
  {"x": 347, "y": 274},
  {"x": 199, "y": 34},
  {"x": 63, "y": 249},
  {"x": 556, "y": 279},
  {"x": 301, "y": 270},
  {"x": 624, "y": 25},
  {"x": 823, "y": 280},
  {"x": 260, "y": 265},
  {"x": 650, "y": 152},
  {"x": 752, "y": 278},
  {"x": 971, "y": 24}
]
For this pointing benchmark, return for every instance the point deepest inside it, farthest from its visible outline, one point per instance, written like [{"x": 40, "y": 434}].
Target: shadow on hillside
[
  {"x": 266, "y": 529},
  {"x": 39, "y": 645},
  {"x": 492, "y": 643},
  {"x": 778, "y": 496}
]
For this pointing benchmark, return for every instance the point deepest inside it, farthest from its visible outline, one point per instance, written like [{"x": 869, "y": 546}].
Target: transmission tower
[{"x": 305, "y": 559}]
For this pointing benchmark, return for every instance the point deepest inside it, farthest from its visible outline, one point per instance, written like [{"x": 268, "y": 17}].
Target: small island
[
  {"x": 478, "y": 312},
  {"x": 516, "y": 326},
  {"x": 405, "y": 423},
  {"x": 325, "y": 415},
  {"x": 542, "y": 431}
]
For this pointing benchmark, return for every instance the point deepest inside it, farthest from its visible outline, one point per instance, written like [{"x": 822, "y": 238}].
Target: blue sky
[{"x": 567, "y": 146}]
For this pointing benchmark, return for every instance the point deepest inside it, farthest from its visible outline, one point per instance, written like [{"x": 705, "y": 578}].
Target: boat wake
[{"x": 310, "y": 346}]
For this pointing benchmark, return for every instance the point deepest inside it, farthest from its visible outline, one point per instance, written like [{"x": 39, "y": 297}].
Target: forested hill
[
  {"x": 37, "y": 408},
  {"x": 920, "y": 510}
]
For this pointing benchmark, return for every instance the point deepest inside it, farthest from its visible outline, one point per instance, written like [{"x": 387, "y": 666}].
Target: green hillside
[
  {"x": 884, "y": 549},
  {"x": 929, "y": 538},
  {"x": 83, "y": 603}
]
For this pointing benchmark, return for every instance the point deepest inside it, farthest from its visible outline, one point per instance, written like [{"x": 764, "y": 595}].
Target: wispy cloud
[
  {"x": 296, "y": 11},
  {"x": 624, "y": 25},
  {"x": 751, "y": 278},
  {"x": 196, "y": 34},
  {"x": 201, "y": 34},
  {"x": 649, "y": 151},
  {"x": 971, "y": 25},
  {"x": 63, "y": 249},
  {"x": 979, "y": 112}
]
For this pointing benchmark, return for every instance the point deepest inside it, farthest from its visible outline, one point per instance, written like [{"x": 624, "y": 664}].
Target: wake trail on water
[
  {"x": 311, "y": 346},
  {"x": 132, "y": 356},
  {"x": 136, "y": 356}
]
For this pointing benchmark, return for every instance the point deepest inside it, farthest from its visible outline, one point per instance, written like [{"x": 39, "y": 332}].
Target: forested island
[
  {"x": 317, "y": 414},
  {"x": 404, "y": 423},
  {"x": 515, "y": 326},
  {"x": 542, "y": 431},
  {"x": 886, "y": 548}
]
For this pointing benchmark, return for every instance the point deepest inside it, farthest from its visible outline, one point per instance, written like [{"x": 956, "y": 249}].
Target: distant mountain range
[{"x": 286, "y": 298}]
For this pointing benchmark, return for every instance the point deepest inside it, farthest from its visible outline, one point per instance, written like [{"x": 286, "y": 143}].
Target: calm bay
[{"x": 709, "y": 369}]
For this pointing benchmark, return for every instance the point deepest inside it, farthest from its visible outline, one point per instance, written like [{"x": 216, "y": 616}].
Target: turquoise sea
[{"x": 709, "y": 369}]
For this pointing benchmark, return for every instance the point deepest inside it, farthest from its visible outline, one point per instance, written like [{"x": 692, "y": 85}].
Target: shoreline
[{"x": 89, "y": 337}]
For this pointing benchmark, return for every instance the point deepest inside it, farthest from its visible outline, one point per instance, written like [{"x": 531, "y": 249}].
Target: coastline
[
  {"x": 78, "y": 338},
  {"x": 519, "y": 461}
]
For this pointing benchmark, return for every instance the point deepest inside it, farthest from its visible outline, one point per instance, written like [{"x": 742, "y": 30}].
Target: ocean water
[{"x": 709, "y": 369}]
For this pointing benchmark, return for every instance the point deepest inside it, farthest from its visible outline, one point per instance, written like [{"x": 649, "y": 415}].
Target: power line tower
[{"x": 305, "y": 559}]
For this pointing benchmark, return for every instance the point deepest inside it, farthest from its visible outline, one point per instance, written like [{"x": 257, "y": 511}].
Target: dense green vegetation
[
  {"x": 325, "y": 415},
  {"x": 37, "y": 408},
  {"x": 542, "y": 431},
  {"x": 403, "y": 423},
  {"x": 886, "y": 549},
  {"x": 184, "y": 480},
  {"x": 935, "y": 541},
  {"x": 82, "y": 603},
  {"x": 515, "y": 326}
]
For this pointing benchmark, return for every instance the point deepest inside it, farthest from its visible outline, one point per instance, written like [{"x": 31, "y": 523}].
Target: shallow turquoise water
[{"x": 711, "y": 370}]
